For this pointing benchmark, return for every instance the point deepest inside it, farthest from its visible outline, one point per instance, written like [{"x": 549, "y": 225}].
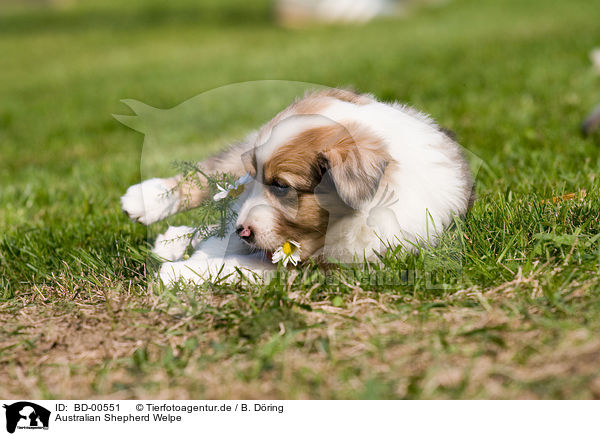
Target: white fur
[
  {"x": 428, "y": 185},
  {"x": 149, "y": 201}
]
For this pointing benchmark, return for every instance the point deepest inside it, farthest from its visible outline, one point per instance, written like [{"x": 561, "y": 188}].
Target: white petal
[
  {"x": 285, "y": 260},
  {"x": 278, "y": 252},
  {"x": 277, "y": 256},
  {"x": 220, "y": 195}
]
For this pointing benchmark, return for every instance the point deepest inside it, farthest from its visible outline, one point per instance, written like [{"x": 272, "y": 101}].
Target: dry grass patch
[{"x": 208, "y": 343}]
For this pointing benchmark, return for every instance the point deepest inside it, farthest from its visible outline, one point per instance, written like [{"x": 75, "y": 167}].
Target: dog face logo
[{"x": 26, "y": 415}]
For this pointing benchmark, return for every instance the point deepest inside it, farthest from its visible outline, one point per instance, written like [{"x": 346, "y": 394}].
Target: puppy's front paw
[
  {"x": 172, "y": 244},
  {"x": 171, "y": 273},
  {"x": 183, "y": 272},
  {"x": 149, "y": 201},
  {"x": 201, "y": 268}
]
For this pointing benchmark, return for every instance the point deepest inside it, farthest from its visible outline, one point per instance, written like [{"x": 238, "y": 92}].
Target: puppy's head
[{"x": 309, "y": 172}]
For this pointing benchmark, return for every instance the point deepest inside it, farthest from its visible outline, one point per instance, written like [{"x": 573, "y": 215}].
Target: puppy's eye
[{"x": 279, "y": 189}]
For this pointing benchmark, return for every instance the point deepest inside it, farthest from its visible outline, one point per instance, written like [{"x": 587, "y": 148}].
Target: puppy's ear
[{"x": 354, "y": 166}]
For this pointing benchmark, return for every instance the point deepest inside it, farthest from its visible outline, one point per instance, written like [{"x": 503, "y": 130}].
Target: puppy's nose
[{"x": 245, "y": 232}]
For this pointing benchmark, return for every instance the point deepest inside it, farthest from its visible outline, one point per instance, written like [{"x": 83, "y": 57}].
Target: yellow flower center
[{"x": 287, "y": 249}]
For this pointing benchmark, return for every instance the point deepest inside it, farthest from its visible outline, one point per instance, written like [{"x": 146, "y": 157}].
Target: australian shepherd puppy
[{"x": 343, "y": 175}]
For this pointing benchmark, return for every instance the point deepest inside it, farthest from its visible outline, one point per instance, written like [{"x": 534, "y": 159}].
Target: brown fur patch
[
  {"x": 296, "y": 162},
  {"x": 352, "y": 149}
]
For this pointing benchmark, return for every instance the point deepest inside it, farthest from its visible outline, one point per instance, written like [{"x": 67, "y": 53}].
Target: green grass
[{"x": 515, "y": 318}]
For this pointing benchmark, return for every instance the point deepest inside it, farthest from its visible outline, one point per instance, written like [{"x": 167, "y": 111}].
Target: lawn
[{"x": 516, "y": 316}]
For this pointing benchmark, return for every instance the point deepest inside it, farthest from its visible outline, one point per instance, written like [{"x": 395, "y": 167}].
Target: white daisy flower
[
  {"x": 235, "y": 188},
  {"x": 221, "y": 194},
  {"x": 288, "y": 252}
]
